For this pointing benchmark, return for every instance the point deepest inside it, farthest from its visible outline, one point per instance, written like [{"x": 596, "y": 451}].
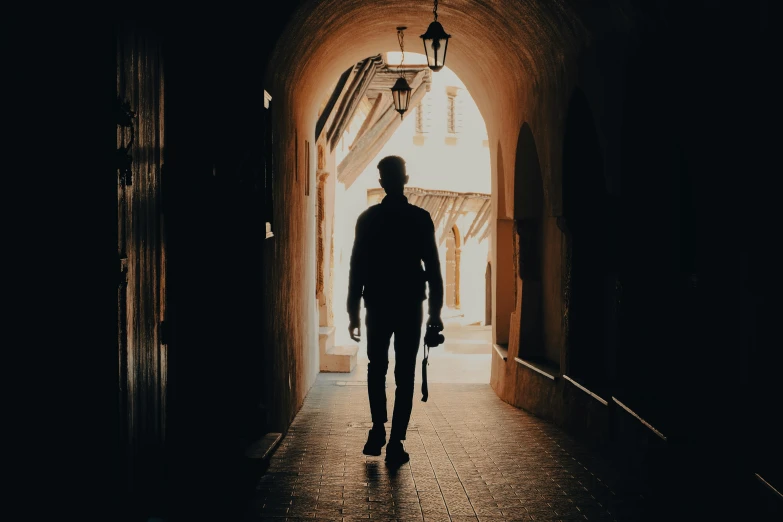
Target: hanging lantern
[
  {"x": 401, "y": 91},
  {"x": 401, "y": 94},
  {"x": 436, "y": 42}
]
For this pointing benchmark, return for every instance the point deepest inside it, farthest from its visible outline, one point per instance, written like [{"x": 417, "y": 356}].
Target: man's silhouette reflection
[{"x": 393, "y": 239}]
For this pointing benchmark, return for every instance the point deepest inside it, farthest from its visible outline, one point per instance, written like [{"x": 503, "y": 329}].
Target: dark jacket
[{"x": 393, "y": 239}]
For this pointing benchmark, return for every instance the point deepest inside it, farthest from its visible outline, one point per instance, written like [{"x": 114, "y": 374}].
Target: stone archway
[
  {"x": 529, "y": 341},
  {"x": 453, "y": 251},
  {"x": 488, "y": 295},
  {"x": 503, "y": 267},
  {"x": 505, "y": 83}
]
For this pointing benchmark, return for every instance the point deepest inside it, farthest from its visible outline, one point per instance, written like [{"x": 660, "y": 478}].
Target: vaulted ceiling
[{"x": 517, "y": 59}]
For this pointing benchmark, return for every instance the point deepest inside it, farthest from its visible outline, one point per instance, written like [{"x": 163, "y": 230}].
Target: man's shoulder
[
  {"x": 371, "y": 210},
  {"x": 369, "y": 213},
  {"x": 420, "y": 213},
  {"x": 378, "y": 210}
]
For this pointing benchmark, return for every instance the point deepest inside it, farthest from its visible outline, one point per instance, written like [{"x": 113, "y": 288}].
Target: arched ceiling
[
  {"x": 518, "y": 59},
  {"x": 501, "y": 49}
]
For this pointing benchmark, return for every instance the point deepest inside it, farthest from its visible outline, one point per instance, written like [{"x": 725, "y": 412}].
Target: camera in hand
[{"x": 433, "y": 337}]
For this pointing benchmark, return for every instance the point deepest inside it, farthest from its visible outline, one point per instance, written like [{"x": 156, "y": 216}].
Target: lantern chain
[
  {"x": 400, "y": 38},
  {"x": 435, "y": 10}
]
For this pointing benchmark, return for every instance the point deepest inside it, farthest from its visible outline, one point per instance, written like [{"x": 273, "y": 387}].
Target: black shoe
[
  {"x": 396, "y": 455},
  {"x": 376, "y": 439}
]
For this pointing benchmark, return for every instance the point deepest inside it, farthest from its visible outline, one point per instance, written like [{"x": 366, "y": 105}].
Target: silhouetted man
[{"x": 393, "y": 238}]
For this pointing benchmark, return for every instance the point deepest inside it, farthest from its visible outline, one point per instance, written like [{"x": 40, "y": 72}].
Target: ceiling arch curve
[{"x": 512, "y": 56}]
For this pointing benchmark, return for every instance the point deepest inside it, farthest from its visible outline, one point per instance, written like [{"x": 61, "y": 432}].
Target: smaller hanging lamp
[
  {"x": 436, "y": 42},
  {"x": 401, "y": 91}
]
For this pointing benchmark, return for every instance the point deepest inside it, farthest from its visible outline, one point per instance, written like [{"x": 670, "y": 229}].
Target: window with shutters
[
  {"x": 423, "y": 120},
  {"x": 420, "y": 119},
  {"x": 453, "y": 115}
]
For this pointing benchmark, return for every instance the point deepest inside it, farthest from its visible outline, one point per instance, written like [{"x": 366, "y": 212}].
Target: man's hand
[
  {"x": 355, "y": 329},
  {"x": 435, "y": 322}
]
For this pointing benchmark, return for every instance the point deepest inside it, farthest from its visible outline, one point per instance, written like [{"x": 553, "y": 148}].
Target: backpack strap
[{"x": 424, "y": 391}]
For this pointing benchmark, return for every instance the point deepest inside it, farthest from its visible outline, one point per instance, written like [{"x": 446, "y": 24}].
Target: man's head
[{"x": 392, "y": 171}]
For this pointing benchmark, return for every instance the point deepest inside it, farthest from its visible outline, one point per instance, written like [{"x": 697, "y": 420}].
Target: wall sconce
[
  {"x": 401, "y": 91},
  {"x": 436, "y": 42}
]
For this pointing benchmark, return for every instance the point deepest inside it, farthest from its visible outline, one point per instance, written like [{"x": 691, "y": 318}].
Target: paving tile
[
  {"x": 515, "y": 512},
  {"x": 463, "y": 466},
  {"x": 486, "y": 512},
  {"x": 509, "y": 502},
  {"x": 597, "y": 514},
  {"x": 436, "y": 517},
  {"x": 463, "y": 511},
  {"x": 433, "y": 507},
  {"x": 547, "y": 516}
]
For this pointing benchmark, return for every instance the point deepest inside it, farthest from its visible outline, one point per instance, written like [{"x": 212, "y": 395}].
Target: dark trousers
[{"x": 405, "y": 323}]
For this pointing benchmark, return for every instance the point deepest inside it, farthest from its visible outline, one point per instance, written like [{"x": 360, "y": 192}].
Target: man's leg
[
  {"x": 379, "y": 332},
  {"x": 407, "y": 335}
]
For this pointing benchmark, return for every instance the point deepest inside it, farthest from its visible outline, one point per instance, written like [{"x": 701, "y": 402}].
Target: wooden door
[{"x": 141, "y": 250}]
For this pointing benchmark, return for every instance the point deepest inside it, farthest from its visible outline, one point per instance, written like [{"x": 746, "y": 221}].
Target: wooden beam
[
  {"x": 453, "y": 218},
  {"x": 374, "y": 139},
  {"x": 432, "y": 205},
  {"x": 488, "y": 228},
  {"x": 381, "y": 101},
  {"x": 424, "y": 201},
  {"x": 473, "y": 226},
  {"x": 485, "y": 218},
  {"x": 476, "y": 200},
  {"x": 385, "y": 79},
  {"x": 432, "y": 208},
  {"x": 350, "y": 87},
  {"x": 351, "y": 101},
  {"x": 329, "y": 125},
  {"x": 475, "y": 221},
  {"x": 327, "y": 113},
  {"x": 438, "y": 209},
  {"x": 444, "y": 204}
]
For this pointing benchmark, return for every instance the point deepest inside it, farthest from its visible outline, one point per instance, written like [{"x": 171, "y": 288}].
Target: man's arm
[
  {"x": 356, "y": 276},
  {"x": 432, "y": 270}
]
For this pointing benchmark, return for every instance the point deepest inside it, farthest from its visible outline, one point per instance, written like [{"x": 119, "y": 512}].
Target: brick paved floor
[{"x": 473, "y": 458}]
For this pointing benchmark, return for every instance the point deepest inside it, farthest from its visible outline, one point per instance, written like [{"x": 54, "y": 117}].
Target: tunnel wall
[
  {"x": 239, "y": 364},
  {"x": 672, "y": 338},
  {"x": 291, "y": 318},
  {"x": 691, "y": 266},
  {"x": 657, "y": 285}
]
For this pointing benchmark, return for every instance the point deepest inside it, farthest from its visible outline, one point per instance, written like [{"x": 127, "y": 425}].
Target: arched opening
[
  {"x": 488, "y": 294},
  {"x": 585, "y": 204},
  {"x": 301, "y": 87},
  {"x": 452, "y": 268},
  {"x": 503, "y": 271},
  {"x": 530, "y": 341},
  {"x": 443, "y": 140}
]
